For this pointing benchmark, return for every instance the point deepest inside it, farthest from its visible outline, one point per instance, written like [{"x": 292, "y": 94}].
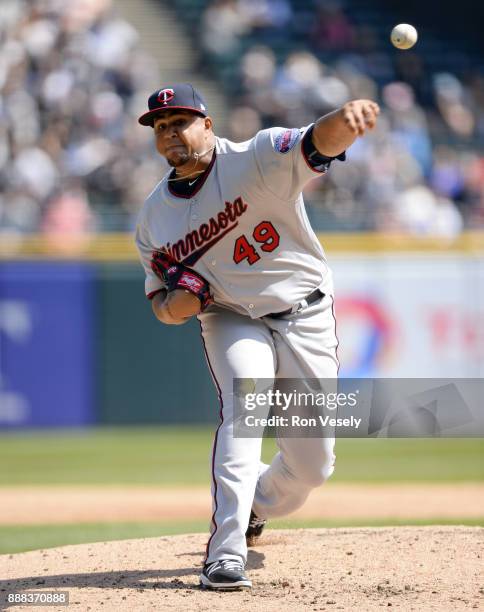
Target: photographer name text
[{"x": 297, "y": 421}]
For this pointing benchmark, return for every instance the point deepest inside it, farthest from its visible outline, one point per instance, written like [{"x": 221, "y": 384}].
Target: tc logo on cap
[{"x": 165, "y": 95}]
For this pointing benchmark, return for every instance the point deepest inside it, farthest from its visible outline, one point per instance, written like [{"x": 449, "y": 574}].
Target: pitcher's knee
[{"x": 315, "y": 475}]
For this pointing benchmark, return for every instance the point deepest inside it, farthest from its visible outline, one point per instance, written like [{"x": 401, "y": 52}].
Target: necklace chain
[
  {"x": 184, "y": 178},
  {"x": 194, "y": 172}
]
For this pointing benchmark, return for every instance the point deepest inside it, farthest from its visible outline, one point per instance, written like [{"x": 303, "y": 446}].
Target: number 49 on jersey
[{"x": 265, "y": 234}]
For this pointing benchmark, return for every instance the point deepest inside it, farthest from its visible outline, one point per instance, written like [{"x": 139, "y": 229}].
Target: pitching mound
[{"x": 409, "y": 568}]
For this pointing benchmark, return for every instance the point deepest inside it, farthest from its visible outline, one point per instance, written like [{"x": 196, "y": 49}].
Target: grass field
[
  {"x": 176, "y": 455},
  {"x": 170, "y": 456}
]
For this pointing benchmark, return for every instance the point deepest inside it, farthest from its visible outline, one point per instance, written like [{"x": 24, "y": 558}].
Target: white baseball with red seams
[{"x": 246, "y": 231}]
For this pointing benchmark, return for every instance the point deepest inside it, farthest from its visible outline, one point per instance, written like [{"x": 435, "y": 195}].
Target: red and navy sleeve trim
[{"x": 315, "y": 160}]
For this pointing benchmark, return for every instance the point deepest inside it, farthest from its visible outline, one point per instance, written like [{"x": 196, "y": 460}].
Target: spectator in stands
[
  {"x": 332, "y": 29},
  {"x": 408, "y": 123},
  {"x": 265, "y": 15},
  {"x": 223, "y": 23}
]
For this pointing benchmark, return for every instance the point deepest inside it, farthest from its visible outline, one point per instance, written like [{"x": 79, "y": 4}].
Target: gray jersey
[{"x": 245, "y": 228}]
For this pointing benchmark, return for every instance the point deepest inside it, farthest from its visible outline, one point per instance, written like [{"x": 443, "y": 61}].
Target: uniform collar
[{"x": 183, "y": 188}]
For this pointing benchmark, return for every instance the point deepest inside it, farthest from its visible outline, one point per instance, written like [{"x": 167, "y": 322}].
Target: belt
[{"x": 309, "y": 299}]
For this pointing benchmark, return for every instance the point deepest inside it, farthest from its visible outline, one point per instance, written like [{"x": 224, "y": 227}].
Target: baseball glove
[{"x": 175, "y": 275}]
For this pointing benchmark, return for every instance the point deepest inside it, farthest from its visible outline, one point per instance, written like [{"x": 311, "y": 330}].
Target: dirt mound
[{"x": 406, "y": 568}]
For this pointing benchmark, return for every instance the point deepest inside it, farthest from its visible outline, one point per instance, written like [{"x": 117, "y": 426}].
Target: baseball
[{"x": 403, "y": 36}]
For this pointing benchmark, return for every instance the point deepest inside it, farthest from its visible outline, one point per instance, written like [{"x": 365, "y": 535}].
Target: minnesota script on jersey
[{"x": 245, "y": 228}]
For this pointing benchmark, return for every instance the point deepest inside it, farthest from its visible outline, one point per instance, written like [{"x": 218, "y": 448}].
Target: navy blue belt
[{"x": 308, "y": 300}]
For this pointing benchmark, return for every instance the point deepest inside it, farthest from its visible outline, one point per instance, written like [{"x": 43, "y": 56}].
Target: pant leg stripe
[
  {"x": 335, "y": 332},
  {"x": 214, "y": 450}
]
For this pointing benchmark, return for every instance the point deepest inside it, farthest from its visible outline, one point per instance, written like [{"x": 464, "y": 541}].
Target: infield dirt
[
  {"x": 404, "y": 568},
  {"x": 22, "y": 505}
]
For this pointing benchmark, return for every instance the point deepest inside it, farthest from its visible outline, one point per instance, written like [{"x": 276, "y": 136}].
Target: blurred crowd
[
  {"x": 73, "y": 81},
  {"x": 421, "y": 171}
]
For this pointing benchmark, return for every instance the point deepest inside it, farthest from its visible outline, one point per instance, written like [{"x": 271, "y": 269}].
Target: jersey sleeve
[
  {"x": 285, "y": 162},
  {"x": 152, "y": 283}
]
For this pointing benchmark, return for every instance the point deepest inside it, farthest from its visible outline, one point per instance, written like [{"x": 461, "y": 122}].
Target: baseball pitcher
[{"x": 224, "y": 237}]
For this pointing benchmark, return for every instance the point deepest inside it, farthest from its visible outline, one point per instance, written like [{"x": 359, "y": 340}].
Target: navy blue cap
[{"x": 181, "y": 96}]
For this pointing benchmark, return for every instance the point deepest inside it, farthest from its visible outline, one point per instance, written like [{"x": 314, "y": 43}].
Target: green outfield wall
[{"x": 147, "y": 372}]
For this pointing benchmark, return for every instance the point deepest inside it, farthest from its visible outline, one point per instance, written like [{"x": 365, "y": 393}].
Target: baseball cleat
[
  {"x": 254, "y": 530},
  {"x": 224, "y": 575}
]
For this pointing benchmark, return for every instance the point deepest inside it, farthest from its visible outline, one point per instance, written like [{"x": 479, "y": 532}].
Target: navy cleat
[
  {"x": 224, "y": 575},
  {"x": 254, "y": 530}
]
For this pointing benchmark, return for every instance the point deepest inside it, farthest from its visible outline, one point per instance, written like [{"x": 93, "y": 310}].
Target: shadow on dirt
[{"x": 151, "y": 579}]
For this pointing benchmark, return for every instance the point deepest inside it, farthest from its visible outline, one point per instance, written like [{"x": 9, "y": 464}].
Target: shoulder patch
[{"x": 285, "y": 140}]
